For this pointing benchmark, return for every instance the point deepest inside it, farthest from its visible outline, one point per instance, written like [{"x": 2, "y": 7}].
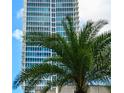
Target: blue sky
[
  {"x": 16, "y": 43},
  {"x": 85, "y": 13}
]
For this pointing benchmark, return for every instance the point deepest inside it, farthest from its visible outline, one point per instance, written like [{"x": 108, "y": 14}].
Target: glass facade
[{"x": 45, "y": 16}]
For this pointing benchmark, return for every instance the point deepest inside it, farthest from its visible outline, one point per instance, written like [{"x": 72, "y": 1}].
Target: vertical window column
[{"x": 53, "y": 15}]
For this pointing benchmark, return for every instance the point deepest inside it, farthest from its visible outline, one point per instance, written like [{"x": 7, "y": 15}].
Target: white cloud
[
  {"x": 20, "y": 13},
  {"x": 95, "y": 10},
  {"x": 17, "y": 34}
]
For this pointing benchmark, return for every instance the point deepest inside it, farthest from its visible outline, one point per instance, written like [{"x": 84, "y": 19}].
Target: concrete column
[{"x": 57, "y": 89}]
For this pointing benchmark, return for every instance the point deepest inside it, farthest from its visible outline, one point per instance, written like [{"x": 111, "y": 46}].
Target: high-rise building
[{"x": 45, "y": 16}]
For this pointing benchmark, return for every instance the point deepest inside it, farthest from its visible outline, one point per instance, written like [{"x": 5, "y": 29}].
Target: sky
[
  {"x": 88, "y": 10},
  {"x": 16, "y": 39}
]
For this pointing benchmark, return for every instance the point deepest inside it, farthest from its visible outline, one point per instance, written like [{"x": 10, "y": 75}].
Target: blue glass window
[
  {"x": 38, "y": 9},
  {"x": 38, "y": 0},
  {"x": 59, "y": 29}
]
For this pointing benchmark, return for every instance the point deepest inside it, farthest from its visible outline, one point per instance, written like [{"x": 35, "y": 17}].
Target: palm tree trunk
[{"x": 80, "y": 91}]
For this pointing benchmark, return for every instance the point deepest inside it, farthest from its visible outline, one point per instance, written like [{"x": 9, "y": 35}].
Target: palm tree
[{"x": 82, "y": 57}]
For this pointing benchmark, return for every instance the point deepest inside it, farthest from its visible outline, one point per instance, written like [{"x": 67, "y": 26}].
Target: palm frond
[
  {"x": 35, "y": 72},
  {"x": 96, "y": 27},
  {"x": 85, "y": 33},
  {"x": 70, "y": 32},
  {"x": 53, "y": 59},
  {"x": 100, "y": 42}
]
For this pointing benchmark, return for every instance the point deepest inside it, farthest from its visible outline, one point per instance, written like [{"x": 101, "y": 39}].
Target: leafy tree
[{"x": 82, "y": 57}]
